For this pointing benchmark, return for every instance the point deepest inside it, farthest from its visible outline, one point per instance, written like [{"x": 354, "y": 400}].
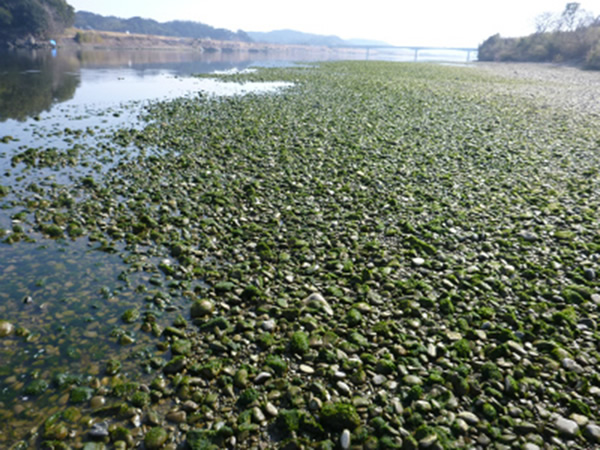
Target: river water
[{"x": 65, "y": 298}]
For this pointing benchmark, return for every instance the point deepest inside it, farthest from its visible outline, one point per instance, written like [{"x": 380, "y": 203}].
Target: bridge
[{"x": 416, "y": 49}]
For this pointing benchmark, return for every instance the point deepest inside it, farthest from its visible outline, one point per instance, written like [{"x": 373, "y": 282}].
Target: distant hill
[
  {"x": 292, "y": 37},
  {"x": 90, "y": 21}
]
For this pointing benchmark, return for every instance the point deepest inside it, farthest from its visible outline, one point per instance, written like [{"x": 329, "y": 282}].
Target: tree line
[
  {"x": 572, "y": 36},
  {"x": 90, "y": 21},
  {"x": 36, "y": 19}
]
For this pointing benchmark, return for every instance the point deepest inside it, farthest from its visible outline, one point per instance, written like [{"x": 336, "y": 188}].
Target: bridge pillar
[{"x": 416, "y": 54}]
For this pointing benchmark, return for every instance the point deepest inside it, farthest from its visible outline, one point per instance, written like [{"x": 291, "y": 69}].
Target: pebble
[
  {"x": 454, "y": 335},
  {"x": 97, "y": 401},
  {"x": 271, "y": 409},
  {"x": 306, "y": 369},
  {"x": 469, "y": 417},
  {"x": 262, "y": 377},
  {"x": 592, "y": 432},
  {"x": 177, "y": 416},
  {"x": 531, "y": 446},
  {"x": 379, "y": 379},
  {"x": 99, "y": 430},
  {"x": 412, "y": 380},
  {"x": 315, "y": 297},
  {"x": 345, "y": 439},
  {"x": 6, "y": 328},
  {"x": 343, "y": 387},
  {"x": 566, "y": 426},
  {"x": 428, "y": 441},
  {"x": 418, "y": 261},
  {"x": 572, "y": 365},
  {"x": 268, "y": 325},
  {"x": 579, "y": 419},
  {"x": 258, "y": 415}
]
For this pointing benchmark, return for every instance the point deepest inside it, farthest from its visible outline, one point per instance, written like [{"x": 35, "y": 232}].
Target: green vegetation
[
  {"x": 35, "y": 18},
  {"x": 571, "y": 37}
]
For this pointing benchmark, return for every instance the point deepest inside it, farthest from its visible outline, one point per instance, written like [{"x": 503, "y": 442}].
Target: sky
[{"x": 445, "y": 23}]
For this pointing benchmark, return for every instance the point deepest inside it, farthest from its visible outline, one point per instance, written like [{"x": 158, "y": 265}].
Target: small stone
[
  {"x": 97, "y": 401},
  {"x": 454, "y": 335},
  {"x": 155, "y": 438},
  {"x": 268, "y": 325},
  {"x": 412, "y": 380},
  {"x": 531, "y": 446},
  {"x": 317, "y": 299},
  {"x": 343, "y": 387},
  {"x": 345, "y": 439},
  {"x": 6, "y": 328},
  {"x": 468, "y": 417},
  {"x": 262, "y": 377},
  {"x": 99, "y": 430},
  {"x": 515, "y": 347},
  {"x": 462, "y": 425},
  {"x": 177, "y": 416},
  {"x": 271, "y": 409},
  {"x": 566, "y": 426},
  {"x": 589, "y": 274},
  {"x": 592, "y": 432},
  {"x": 418, "y": 261},
  {"x": 579, "y": 419},
  {"x": 571, "y": 365},
  {"x": 201, "y": 308},
  {"x": 379, "y": 379},
  {"x": 306, "y": 369},
  {"x": 428, "y": 441},
  {"x": 257, "y": 415},
  {"x": 528, "y": 236},
  {"x": 190, "y": 406}
]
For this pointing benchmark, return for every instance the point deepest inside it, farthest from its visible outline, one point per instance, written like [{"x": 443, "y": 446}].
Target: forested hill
[
  {"x": 572, "y": 36},
  {"x": 90, "y": 21}
]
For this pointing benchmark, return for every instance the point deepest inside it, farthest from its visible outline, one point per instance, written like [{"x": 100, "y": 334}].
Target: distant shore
[{"x": 103, "y": 40}]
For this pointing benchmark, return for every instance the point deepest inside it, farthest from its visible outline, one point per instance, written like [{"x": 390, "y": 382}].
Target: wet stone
[
  {"x": 176, "y": 416},
  {"x": 592, "y": 432},
  {"x": 566, "y": 427},
  {"x": 345, "y": 439},
  {"x": 306, "y": 369},
  {"x": 412, "y": 380},
  {"x": 99, "y": 430},
  {"x": 469, "y": 417},
  {"x": 6, "y": 328}
]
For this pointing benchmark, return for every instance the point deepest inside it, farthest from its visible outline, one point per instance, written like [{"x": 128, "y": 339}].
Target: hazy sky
[{"x": 457, "y": 23}]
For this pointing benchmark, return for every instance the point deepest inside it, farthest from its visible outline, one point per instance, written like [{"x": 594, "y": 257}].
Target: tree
[
  {"x": 37, "y": 18},
  {"x": 544, "y": 22}
]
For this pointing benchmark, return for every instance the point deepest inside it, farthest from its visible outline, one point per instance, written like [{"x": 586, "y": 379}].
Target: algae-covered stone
[
  {"x": 177, "y": 364},
  {"x": 181, "y": 347},
  {"x": 81, "y": 394},
  {"x": 201, "y": 308},
  {"x": 36, "y": 387},
  {"x": 338, "y": 416},
  {"x": 130, "y": 316},
  {"x": 299, "y": 343},
  {"x": 155, "y": 438}
]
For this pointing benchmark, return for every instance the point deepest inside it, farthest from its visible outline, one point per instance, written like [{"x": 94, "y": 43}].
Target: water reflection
[{"x": 31, "y": 82}]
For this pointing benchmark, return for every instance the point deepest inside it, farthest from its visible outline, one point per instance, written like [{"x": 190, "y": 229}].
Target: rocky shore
[{"x": 380, "y": 256}]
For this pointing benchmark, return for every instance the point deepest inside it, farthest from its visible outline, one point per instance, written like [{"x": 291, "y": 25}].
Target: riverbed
[{"x": 380, "y": 252}]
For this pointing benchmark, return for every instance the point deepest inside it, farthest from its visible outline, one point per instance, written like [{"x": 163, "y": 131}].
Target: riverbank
[
  {"x": 382, "y": 255},
  {"x": 106, "y": 40}
]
